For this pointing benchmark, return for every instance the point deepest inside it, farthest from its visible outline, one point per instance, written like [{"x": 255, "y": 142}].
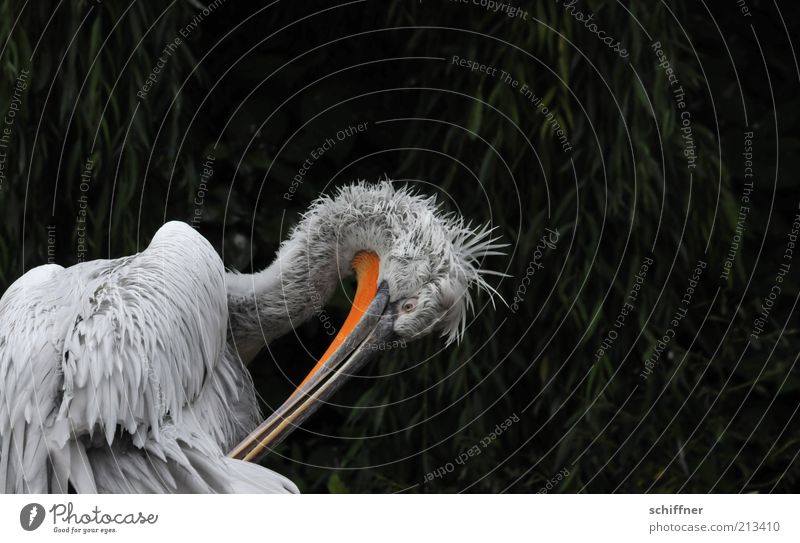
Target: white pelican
[{"x": 127, "y": 375}]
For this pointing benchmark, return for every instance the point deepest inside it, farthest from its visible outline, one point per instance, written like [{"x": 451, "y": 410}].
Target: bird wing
[
  {"x": 146, "y": 334},
  {"x": 29, "y": 380},
  {"x": 101, "y": 347}
]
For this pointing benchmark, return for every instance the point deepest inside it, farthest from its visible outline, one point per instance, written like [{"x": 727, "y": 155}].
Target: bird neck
[{"x": 308, "y": 268}]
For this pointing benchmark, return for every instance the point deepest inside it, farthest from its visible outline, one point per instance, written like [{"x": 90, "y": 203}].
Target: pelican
[{"x": 130, "y": 375}]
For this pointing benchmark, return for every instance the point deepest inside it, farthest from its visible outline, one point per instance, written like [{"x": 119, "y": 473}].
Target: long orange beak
[
  {"x": 366, "y": 265},
  {"x": 366, "y": 329}
]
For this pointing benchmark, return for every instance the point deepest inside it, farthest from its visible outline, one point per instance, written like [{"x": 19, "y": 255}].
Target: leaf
[{"x": 336, "y": 485}]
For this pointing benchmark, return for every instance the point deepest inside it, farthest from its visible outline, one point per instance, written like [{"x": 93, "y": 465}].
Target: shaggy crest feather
[{"x": 422, "y": 248}]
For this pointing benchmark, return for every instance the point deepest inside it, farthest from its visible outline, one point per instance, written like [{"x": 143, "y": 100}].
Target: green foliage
[{"x": 257, "y": 89}]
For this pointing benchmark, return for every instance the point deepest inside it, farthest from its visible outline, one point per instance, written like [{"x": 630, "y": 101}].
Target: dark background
[{"x": 259, "y": 87}]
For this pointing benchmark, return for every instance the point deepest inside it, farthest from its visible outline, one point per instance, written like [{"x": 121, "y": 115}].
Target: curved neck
[{"x": 265, "y": 305}]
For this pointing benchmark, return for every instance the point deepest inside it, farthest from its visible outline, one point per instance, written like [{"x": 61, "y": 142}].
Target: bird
[{"x": 130, "y": 375}]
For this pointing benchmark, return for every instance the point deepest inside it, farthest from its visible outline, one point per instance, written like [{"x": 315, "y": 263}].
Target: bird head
[
  {"x": 415, "y": 266},
  {"x": 428, "y": 260}
]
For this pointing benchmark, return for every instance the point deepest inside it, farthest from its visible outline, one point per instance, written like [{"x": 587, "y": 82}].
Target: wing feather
[
  {"x": 101, "y": 349},
  {"x": 147, "y": 331},
  {"x": 29, "y": 382}
]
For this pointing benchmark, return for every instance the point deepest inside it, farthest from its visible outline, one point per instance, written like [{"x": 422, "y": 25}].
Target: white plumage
[
  {"x": 126, "y": 375},
  {"x": 115, "y": 376}
]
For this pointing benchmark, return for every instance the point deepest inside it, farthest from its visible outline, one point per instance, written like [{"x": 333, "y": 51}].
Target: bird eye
[{"x": 409, "y": 305}]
